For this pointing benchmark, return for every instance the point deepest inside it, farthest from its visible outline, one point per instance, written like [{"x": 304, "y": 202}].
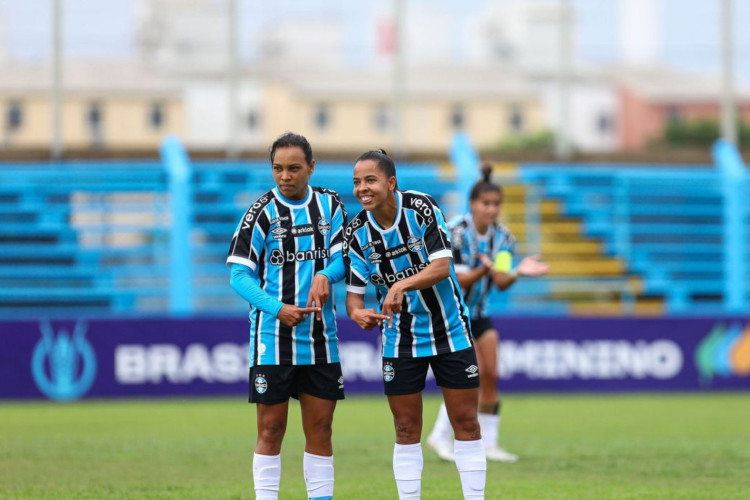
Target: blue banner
[{"x": 68, "y": 360}]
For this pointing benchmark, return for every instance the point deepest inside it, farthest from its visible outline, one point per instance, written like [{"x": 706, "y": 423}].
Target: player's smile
[{"x": 370, "y": 184}]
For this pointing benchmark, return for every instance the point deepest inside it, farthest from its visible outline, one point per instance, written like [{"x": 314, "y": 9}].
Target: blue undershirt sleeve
[
  {"x": 335, "y": 270},
  {"x": 247, "y": 286}
]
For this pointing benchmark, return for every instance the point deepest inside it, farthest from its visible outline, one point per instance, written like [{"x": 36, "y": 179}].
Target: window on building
[
  {"x": 457, "y": 116},
  {"x": 94, "y": 121},
  {"x": 322, "y": 116},
  {"x": 156, "y": 115},
  {"x": 14, "y": 116},
  {"x": 516, "y": 120},
  {"x": 253, "y": 120},
  {"x": 382, "y": 117}
]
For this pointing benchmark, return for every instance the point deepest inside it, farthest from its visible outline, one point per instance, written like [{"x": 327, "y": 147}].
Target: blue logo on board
[{"x": 63, "y": 365}]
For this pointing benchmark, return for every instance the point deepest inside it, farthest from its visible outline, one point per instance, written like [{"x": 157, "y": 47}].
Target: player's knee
[
  {"x": 321, "y": 429},
  {"x": 272, "y": 430},
  {"x": 466, "y": 427},
  {"x": 407, "y": 430}
]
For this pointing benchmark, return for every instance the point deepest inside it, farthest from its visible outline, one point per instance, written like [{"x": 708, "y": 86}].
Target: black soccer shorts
[
  {"x": 453, "y": 370},
  {"x": 480, "y": 325},
  {"x": 272, "y": 384}
]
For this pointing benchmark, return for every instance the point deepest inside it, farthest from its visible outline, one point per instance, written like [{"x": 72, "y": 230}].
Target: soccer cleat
[
  {"x": 497, "y": 454},
  {"x": 443, "y": 448}
]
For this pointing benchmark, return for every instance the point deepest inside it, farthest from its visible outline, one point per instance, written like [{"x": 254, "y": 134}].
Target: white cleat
[
  {"x": 497, "y": 454},
  {"x": 442, "y": 447}
]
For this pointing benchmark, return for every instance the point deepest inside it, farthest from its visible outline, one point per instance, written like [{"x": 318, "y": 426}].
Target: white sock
[
  {"x": 443, "y": 431},
  {"x": 407, "y": 469},
  {"x": 266, "y": 476},
  {"x": 490, "y": 425},
  {"x": 471, "y": 463},
  {"x": 318, "y": 476}
]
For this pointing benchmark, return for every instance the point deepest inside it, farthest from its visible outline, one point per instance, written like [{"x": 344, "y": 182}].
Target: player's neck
[
  {"x": 385, "y": 214},
  {"x": 481, "y": 227}
]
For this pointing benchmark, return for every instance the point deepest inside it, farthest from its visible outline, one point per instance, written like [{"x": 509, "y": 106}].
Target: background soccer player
[
  {"x": 483, "y": 254},
  {"x": 284, "y": 252},
  {"x": 400, "y": 244}
]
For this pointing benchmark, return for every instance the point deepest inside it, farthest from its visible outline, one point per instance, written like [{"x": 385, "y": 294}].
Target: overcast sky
[{"x": 689, "y": 29}]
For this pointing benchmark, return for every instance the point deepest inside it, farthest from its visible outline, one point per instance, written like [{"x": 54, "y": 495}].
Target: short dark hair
[
  {"x": 385, "y": 163},
  {"x": 290, "y": 139},
  {"x": 485, "y": 185}
]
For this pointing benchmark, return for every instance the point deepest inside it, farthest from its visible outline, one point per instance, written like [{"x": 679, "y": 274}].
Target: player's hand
[
  {"x": 368, "y": 319},
  {"x": 319, "y": 293},
  {"x": 532, "y": 266},
  {"x": 392, "y": 302},
  {"x": 486, "y": 262},
  {"x": 292, "y": 315}
]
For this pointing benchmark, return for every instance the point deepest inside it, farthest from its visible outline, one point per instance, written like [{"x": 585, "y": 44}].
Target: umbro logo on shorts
[
  {"x": 341, "y": 382},
  {"x": 472, "y": 371}
]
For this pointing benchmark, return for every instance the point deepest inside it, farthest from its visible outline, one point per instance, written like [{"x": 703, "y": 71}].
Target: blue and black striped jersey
[
  {"x": 468, "y": 244},
  {"x": 284, "y": 243},
  {"x": 432, "y": 321}
]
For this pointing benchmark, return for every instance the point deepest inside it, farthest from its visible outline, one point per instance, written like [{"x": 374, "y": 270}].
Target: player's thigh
[
  {"x": 461, "y": 405},
  {"x": 486, "y": 350},
  {"x": 317, "y": 414}
]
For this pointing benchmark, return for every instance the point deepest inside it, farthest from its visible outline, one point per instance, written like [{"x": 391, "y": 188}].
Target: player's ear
[
  {"x": 391, "y": 183},
  {"x": 312, "y": 167}
]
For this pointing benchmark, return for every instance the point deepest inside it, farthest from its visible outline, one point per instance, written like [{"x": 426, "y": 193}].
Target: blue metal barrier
[{"x": 735, "y": 192}]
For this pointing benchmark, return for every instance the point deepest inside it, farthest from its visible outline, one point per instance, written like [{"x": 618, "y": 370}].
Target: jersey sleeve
[
  {"x": 436, "y": 239},
  {"x": 357, "y": 268},
  {"x": 338, "y": 224},
  {"x": 249, "y": 239}
]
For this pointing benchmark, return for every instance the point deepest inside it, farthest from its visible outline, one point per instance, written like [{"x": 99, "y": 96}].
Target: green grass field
[{"x": 592, "y": 446}]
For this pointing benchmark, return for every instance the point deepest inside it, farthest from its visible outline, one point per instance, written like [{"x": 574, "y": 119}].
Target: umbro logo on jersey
[
  {"x": 374, "y": 257},
  {"x": 278, "y": 233},
  {"x": 472, "y": 371}
]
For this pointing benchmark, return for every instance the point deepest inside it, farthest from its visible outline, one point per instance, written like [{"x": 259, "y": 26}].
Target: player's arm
[
  {"x": 469, "y": 276},
  {"x": 439, "y": 252},
  {"x": 247, "y": 285},
  {"x": 367, "y": 319},
  {"x": 505, "y": 275}
]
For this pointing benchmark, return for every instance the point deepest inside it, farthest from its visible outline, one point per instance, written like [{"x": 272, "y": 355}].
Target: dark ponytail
[{"x": 485, "y": 185}]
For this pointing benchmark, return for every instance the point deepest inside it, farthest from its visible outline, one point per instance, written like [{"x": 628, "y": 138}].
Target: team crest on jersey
[
  {"x": 377, "y": 280},
  {"x": 278, "y": 233},
  {"x": 261, "y": 386},
  {"x": 414, "y": 243},
  {"x": 388, "y": 373},
  {"x": 324, "y": 226},
  {"x": 374, "y": 258}
]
